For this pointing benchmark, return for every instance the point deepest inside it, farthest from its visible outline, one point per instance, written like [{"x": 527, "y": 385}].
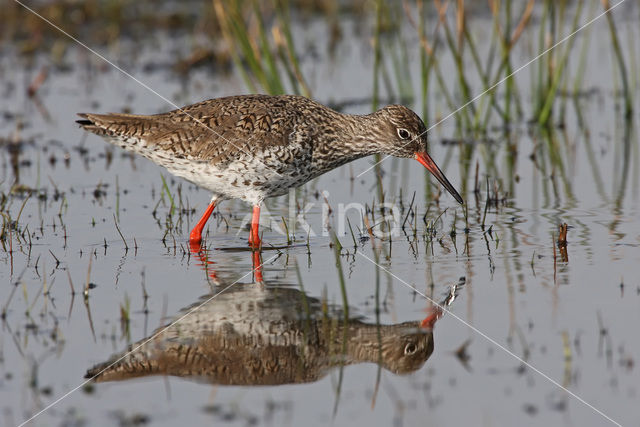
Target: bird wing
[{"x": 218, "y": 130}]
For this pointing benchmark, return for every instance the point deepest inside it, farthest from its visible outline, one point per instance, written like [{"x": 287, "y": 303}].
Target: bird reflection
[{"x": 261, "y": 334}]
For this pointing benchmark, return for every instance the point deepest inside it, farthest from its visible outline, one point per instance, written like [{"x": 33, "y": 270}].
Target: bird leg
[
  {"x": 196, "y": 234},
  {"x": 202, "y": 254},
  {"x": 254, "y": 236},
  {"x": 256, "y": 260}
]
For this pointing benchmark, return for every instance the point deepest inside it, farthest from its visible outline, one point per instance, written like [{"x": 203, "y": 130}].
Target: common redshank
[
  {"x": 251, "y": 147},
  {"x": 255, "y": 336}
]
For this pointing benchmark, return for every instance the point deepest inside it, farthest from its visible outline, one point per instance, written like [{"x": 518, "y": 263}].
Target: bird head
[{"x": 403, "y": 134}]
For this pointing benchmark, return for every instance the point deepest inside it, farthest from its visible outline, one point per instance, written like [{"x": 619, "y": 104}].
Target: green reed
[
  {"x": 556, "y": 72},
  {"x": 337, "y": 250},
  {"x": 290, "y": 61},
  {"x": 248, "y": 43},
  {"x": 377, "y": 62},
  {"x": 615, "y": 43},
  {"x": 261, "y": 52},
  {"x": 425, "y": 58}
]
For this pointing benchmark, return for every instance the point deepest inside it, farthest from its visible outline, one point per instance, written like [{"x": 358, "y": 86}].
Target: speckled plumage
[
  {"x": 256, "y": 146},
  {"x": 255, "y": 335},
  {"x": 251, "y": 147}
]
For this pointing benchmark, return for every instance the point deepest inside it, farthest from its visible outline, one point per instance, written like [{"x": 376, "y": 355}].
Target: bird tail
[{"x": 117, "y": 125}]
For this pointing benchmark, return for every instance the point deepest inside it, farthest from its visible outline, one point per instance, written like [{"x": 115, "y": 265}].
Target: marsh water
[{"x": 442, "y": 314}]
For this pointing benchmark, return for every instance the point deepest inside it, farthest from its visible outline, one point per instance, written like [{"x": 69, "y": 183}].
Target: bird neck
[
  {"x": 348, "y": 137},
  {"x": 357, "y": 342}
]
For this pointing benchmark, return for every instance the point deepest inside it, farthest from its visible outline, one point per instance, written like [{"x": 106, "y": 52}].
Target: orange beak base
[{"x": 431, "y": 166}]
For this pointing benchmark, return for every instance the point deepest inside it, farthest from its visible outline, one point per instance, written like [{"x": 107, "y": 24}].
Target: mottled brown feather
[
  {"x": 212, "y": 130},
  {"x": 256, "y": 146},
  {"x": 275, "y": 335}
]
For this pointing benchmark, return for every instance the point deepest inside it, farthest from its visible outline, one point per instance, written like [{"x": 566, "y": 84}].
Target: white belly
[{"x": 248, "y": 178}]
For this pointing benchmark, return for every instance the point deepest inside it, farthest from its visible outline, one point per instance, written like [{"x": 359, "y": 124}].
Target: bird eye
[
  {"x": 403, "y": 133},
  {"x": 410, "y": 349}
]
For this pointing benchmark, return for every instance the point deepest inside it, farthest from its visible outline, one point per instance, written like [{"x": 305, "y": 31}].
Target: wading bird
[{"x": 251, "y": 147}]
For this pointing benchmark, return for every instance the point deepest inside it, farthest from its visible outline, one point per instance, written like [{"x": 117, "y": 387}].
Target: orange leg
[
  {"x": 254, "y": 236},
  {"x": 256, "y": 258},
  {"x": 202, "y": 255},
  {"x": 196, "y": 233}
]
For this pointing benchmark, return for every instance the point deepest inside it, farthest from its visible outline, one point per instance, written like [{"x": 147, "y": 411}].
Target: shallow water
[{"x": 531, "y": 335}]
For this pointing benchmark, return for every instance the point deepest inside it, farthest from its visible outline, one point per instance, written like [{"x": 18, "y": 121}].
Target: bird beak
[{"x": 431, "y": 166}]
